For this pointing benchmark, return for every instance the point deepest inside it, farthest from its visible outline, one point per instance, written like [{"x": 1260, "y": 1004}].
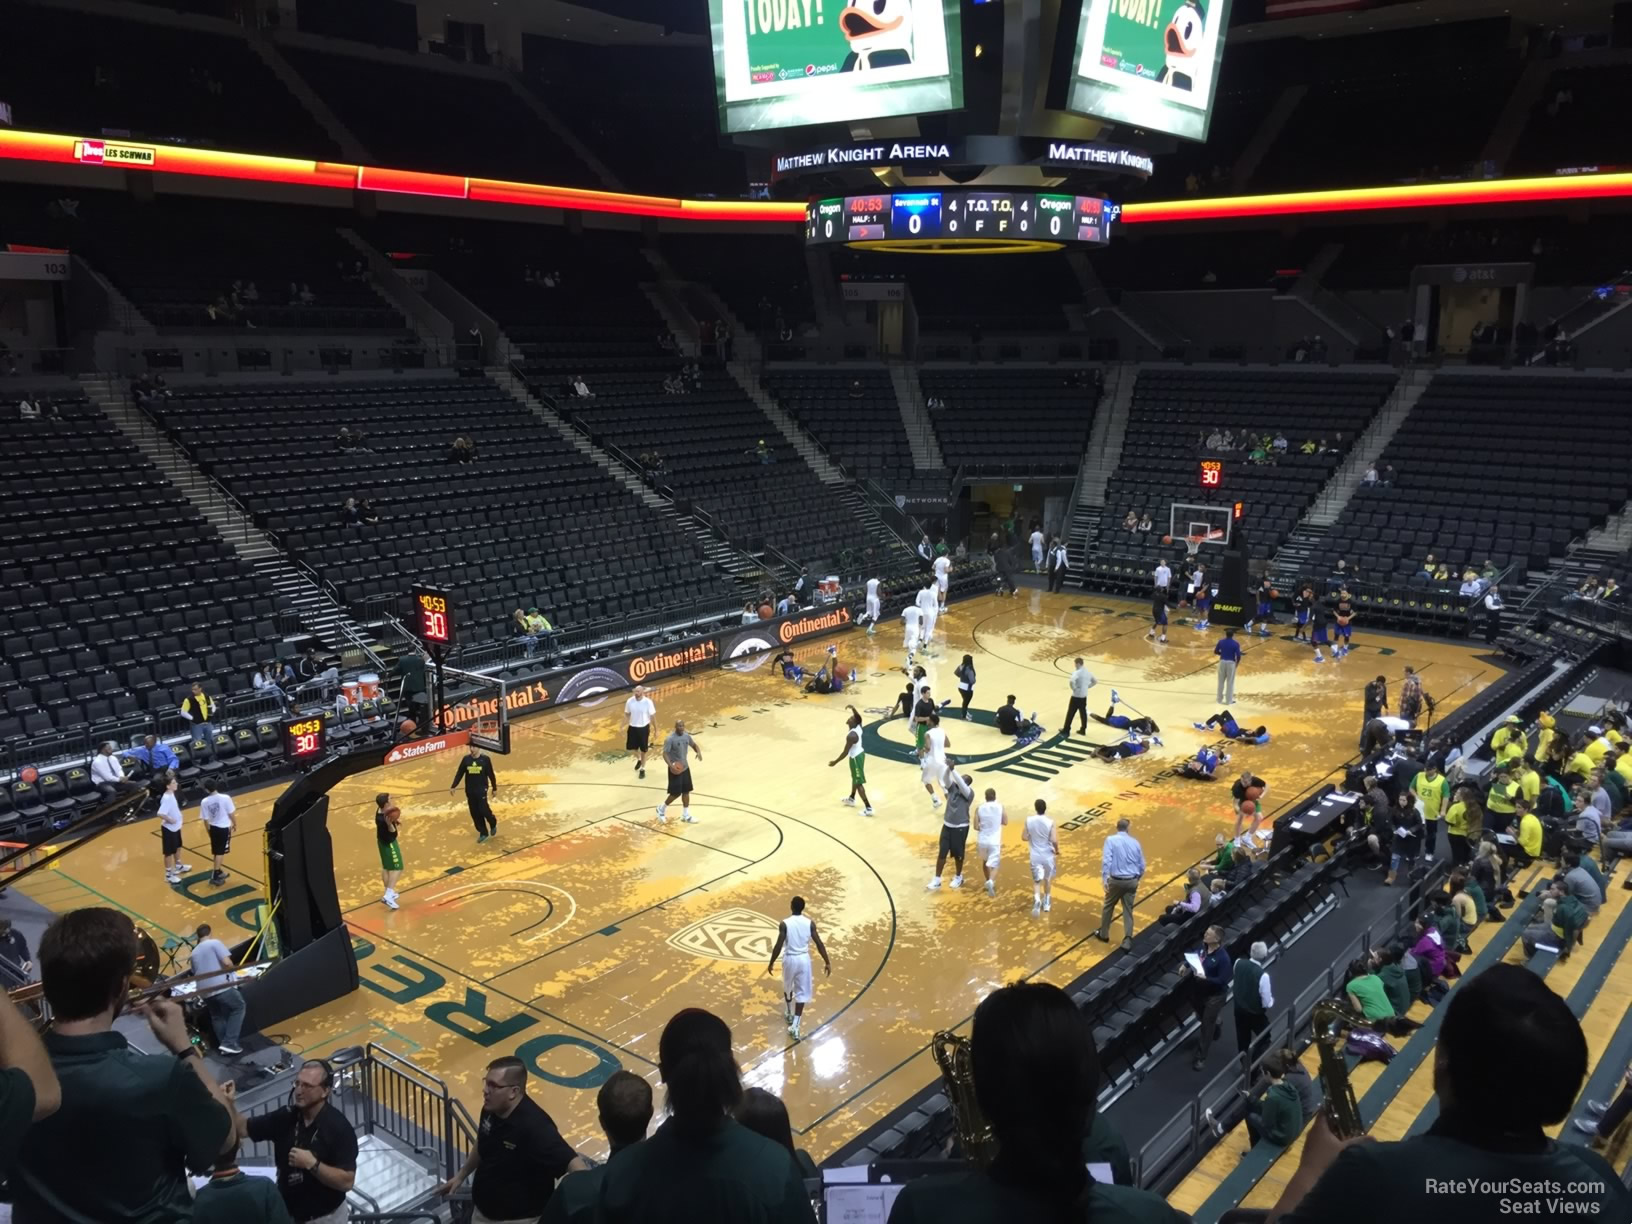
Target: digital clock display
[
  {"x": 433, "y": 617},
  {"x": 865, "y": 217},
  {"x": 305, "y": 739},
  {"x": 1212, "y": 474},
  {"x": 929, "y": 216}
]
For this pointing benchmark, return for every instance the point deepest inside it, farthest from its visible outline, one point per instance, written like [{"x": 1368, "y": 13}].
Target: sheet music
[
  {"x": 860, "y": 1204},
  {"x": 1194, "y": 961}
]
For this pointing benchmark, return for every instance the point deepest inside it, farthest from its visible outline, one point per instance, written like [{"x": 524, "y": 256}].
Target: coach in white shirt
[
  {"x": 638, "y": 713},
  {"x": 1081, "y": 681},
  {"x": 108, "y": 773}
]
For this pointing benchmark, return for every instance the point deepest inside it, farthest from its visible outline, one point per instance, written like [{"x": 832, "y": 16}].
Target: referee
[
  {"x": 476, "y": 771},
  {"x": 387, "y": 816}
]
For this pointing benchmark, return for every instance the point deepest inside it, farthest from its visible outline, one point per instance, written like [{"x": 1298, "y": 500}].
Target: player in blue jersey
[
  {"x": 1204, "y": 765},
  {"x": 1225, "y": 722},
  {"x": 1137, "y": 726},
  {"x": 1266, "y": 609}
]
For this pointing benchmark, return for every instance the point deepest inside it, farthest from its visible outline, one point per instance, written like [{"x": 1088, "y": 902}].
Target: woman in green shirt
[{"x": 1366, "y": 993}]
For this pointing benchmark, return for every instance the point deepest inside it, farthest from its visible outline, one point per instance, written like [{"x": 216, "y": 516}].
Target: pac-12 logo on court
[{"x": 731, "y": 935}]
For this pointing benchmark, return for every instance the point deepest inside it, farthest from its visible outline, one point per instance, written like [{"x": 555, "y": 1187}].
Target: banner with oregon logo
[
  {"x": 790, "y": 63},
  {"x": 1151, "y": 63}
]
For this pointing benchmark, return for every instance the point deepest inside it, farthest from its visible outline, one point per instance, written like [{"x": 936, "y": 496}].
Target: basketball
[
  {"x": 677, "y": 767},
  {"x": 1255, "y": 793},
  {"x": 1167, "y": 539},
  {"x": 1249, "y": 808},
  {"x": 407, "y": 727},
  {"x": 29, "y": 774}
]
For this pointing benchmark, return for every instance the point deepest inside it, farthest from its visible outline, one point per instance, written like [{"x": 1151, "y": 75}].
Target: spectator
[
  {"x": 14, "y": 957},
  {"x": 1131, "y": 522},
  {"x": 1194, "y": 900},
  {"x": 159, "y": 762},
  {"x": 314, "y": 1148},
  {"x": 1606, "y": 1116},
  {"x": 763, "y": 452},
  {"x": 311, "y": 669},
  {"x": 265, "y": 682},
  {"x": 1562, "y": 919},
  {"x": 701, "y": 1164},
  {"x": 210, "y": 958},
  {"x": 141, "y": 1119},
  {"x": 1385, "y": 475},
  {"x": 1144, "y": 522},
  {"x": 1370, "y": 478},
  {"x": 198, "y": 708},
  {"x": 1578, "y": 882},
  {"x": 350, "y": 514},
  {"x": 1278, "y": 1118},
  {"x": 347, "y": 439},
  {"x": 29, "y": 1090},
  {"x": 580, "y": 388},
  {"x": 463, "y": 450},
  {"x": 1253, "y": 997},
  {"x": 367, "y": 512},
  {"x": 108, "y": 775},
  {"x": 764, "y": 1113},
  {"x": 624, "y": 1104},
  {"x": 1387, "y": 963},
  {"x": 519, "y": 1153},
  {"x": 1490, "y": 1127},
  {"x": 1036, "y": 1077}
]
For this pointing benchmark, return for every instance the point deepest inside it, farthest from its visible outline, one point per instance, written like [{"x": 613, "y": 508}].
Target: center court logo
[
  {"x": 804, "y": 626},
  {"x": 642, "y": 667}
]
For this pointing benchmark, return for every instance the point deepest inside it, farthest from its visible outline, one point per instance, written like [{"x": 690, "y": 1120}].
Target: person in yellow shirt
[
  {"x": 1500, "y": 800},
  {"x": 1597, "y": 744},
  {"x": 1510, "y": 730},
  {"x": 1433, "y": 793},
  {"x": 1529, "y": 780},
  {"x": 1529, "y": 831},
  {"x": 1547, "y": 734},
  {"x": 1624, "y": 767},
  {"x": 1580, "y": 764}
]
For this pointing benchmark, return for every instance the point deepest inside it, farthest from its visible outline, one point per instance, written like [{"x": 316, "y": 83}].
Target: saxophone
[
  {"x": 1331, "y": 1022},
  {"x": 974, "y": 1132}
]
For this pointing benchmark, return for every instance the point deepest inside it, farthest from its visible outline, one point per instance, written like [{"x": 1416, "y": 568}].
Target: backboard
[
  {"x": 481, "y": 705},
  {"x": 1196, "y": 526}
]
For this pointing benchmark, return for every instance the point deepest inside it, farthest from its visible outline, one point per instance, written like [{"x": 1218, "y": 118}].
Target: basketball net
[{"x": 1192, "y": 545}]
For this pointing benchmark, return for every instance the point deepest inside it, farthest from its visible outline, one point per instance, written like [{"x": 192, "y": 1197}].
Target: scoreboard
[{"x": 929, "y": 216}]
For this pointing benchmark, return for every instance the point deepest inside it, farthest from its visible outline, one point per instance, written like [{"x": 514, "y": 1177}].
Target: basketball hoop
[
  {"x": 1192, "y": 544},
  {"x": 490, "y": 735}
]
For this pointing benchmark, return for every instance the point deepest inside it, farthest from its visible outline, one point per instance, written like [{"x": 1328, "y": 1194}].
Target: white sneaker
[
  {"x": 224, "y": 1048},
  {"x": 934, "y": 802},
  {"x": 171, "y": 877},
  {"x": 1036, "y": 908},
  {"x": 957, "y": 881},
  {"x": 935, "y": 883},
  {"x": 1163, "y": 639},
  {"x": 848, "y": 801},
  {"x": 183, "y": 868},
  {"x": 1048, "y": 904},
  {"x": 991, "y": 888},
  {"x": 688, "y": 818},
  {"x": 662, "y": 816},
  {"x": 390, "y": 901},
  {"x": 866, "y": 811},
  {"x": 794, "y": 1028}
]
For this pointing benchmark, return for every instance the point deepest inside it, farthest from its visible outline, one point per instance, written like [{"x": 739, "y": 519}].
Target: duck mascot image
[
  {"x": 1186, "y": 47},
  {"x": 879, "y": 33}
]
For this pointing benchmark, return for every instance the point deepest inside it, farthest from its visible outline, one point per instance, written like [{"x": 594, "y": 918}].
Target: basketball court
[{"x": 572, "y": 936}]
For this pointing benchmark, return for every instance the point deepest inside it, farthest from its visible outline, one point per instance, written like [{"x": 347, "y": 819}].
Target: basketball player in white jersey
[
  {"x": 858, "y": 763},
  {"x": 873, "y": 606},
  {"x": 795, "y": 936},
  {"x": 932, "y": 758},
  {"x": 1044, "y": 846},
  {"x": 912, "y": 617},
  {"x": 989, "y": 821},
  {"x": 929, "y": 604},
  {"x": 943, "y": 578}
]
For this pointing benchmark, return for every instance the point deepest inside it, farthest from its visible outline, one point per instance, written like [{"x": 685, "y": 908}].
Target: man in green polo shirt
[
  {"x": 233, "y": 1197},
  {"x": 1487, "y": 1156},
  {"x": 625, "y": 1106},
  {"x": 131, "y": 1124}
]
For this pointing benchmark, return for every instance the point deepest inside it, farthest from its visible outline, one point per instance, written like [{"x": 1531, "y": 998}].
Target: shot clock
[
  {"x": 1212, "y": 474},
  {"x": 433, "y": 616},
  {"x": 305, "y": 739}
]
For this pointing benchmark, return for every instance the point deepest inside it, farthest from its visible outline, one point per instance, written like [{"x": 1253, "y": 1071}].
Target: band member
[
  {"x": 387, "y": 816},
  {"x": 476, "y": 772},
  {"x": 795, "y": 936},
  {"x": 858, "y": 763}
]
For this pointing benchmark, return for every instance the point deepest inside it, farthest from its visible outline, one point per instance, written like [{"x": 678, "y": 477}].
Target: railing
[
  {"x": 20, "y": 363},
  {"x": 1178, "y": 1143},
  {"x": 240, "y": 353}
]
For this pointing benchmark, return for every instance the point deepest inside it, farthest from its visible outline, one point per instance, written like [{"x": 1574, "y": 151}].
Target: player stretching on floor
[
  {"x": 1344, "y": 613},
  {"x": 1205, "y": 764},
  {"x": 858, "y": 763},
  {"x": 1225, "y": 721},
  {"x": 874, "y": 606},
  {"x": 1139, "y": 726},
  {"x": 795, "y": 936},
  {"x": 1248, "y": 792},
  {"x": 675, "y": 747}
]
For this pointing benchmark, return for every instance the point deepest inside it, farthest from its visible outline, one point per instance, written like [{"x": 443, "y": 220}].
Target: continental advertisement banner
[{"x": 736, "y": 646}]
